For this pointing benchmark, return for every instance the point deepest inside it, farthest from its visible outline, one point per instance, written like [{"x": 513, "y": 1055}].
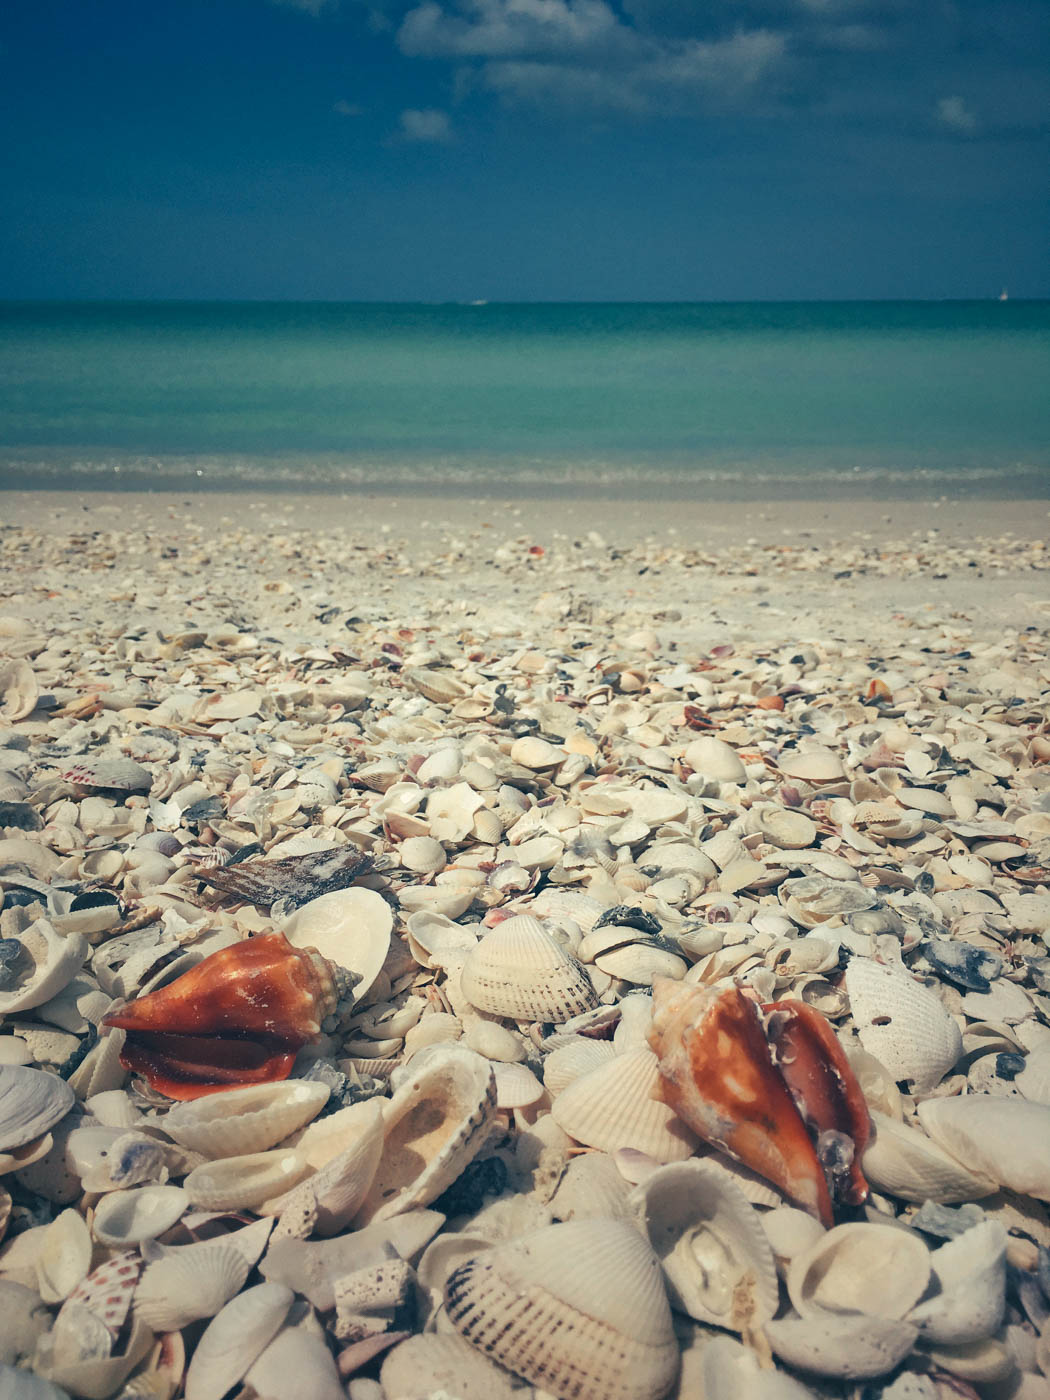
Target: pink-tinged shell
[{"x": 719, "y": 1077}]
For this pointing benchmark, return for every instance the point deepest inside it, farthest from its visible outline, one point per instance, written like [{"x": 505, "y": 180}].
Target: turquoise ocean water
[{"x": 729, "y": 399}]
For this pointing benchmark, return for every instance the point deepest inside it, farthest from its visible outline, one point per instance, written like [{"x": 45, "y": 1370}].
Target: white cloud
[
  {"x": 508, "y": 28},
  {"x": 953, "y": 113},
  {"x": 427, "y": 124}
]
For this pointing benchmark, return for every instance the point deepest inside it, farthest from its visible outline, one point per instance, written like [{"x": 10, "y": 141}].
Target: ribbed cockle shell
[
  {"x": 236, "y": 1018},
  {"x": 718, "y": 1075}
]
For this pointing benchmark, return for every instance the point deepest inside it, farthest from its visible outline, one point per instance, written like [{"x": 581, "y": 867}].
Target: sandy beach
[{"x": 741, "y": 753}]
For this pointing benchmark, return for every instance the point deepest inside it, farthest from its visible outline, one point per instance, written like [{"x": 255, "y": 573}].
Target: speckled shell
[
  {"x": 848, "y": 1347},
  {"x": 578, "y": 1309}
]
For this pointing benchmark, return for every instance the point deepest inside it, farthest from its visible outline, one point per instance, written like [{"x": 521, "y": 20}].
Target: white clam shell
[
  {"x": 234, "y": 1183},
  {"x": 519, "y": 970},
  {"x": 234, "y": 1338},
  {"x": 349, "y": 927},
  {"x": 426, "y": 1365},
  {"x": 970, "y": 1272},
  {"x": 815, "y": 765},
  {"x": 65, "y": 1257},
  {"x": 716, "y": 1258},
  {"x": 422, "y": 854},
  {"x": 297, "y": 1363},
  {"x": 848, "y": 1347},
  {"x": 612, "y": 1106},
  {"x": 50, "y": 961},
  {"x": 714, "y": 759},
  {"x": 193, "y": 1283},
  {"x": 434, "y": 1125},
  {"x": 878, "y": 1270},
  {"x": 242, "y": 1121},
  {"x": 1005, "y": 1139},
  {"x": 906, "y": 1163},
  {"x": 901, "y": 1023},
  {"x": 578, "y": 1309},
  {"x": 143, "y": 1213},
  {"x": 31, "y": 1102},
  {"x": 790, "y": 1232}
]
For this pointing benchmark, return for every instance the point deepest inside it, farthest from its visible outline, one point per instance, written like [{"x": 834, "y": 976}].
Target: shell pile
[{"x": 331, "y": 934}]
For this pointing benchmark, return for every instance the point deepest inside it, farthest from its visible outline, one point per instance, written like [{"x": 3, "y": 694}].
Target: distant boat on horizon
[{"x": 1004, "y": 295}]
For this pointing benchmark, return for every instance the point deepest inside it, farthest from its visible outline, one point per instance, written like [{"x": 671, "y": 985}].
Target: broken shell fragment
[
  {"x": 850, "y": 1347},
  {"x": 970, "y": 1272},
  {"x": 434, "y": 1125}
]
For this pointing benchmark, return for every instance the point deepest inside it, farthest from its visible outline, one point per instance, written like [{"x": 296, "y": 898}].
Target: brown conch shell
[
  {"x": 237, "y": 1018},
  {"x": 718, "y": 1075}
]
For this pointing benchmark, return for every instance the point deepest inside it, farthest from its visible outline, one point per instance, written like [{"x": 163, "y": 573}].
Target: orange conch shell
[
  {"x": 718, "y": 1075},
  {"x": 810, "y": 1058},
  {"x": 236, "y": 1018}
]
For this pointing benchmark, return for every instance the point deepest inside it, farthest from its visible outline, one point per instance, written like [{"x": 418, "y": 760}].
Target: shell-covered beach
[{"x": 464, "y": 948}]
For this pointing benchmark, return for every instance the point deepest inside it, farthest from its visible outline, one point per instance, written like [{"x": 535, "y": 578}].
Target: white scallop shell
[
  {"x": 431, "y": 1364},
  {"x": 234, "y": 1338},
  {"x": 516, "y": 1085},
  {"x": 568, "y": 1062},
  {"x": 578, "y": 1309},
  {"x": 849, "y": 1347},
  {"x": 241, "y": 1121},
  {"x": 971, "y": 1275},
  {"x": 519, "y": 970},
  {"x": 878, "y": 1270},
  {"x": 31, "y": 1102},
  {"x": 717, "y": 1262},
  {"x": 908, "y": 1164},
  {"x": 902, "y": 1024},
  {"x": 349, "y": 927},
  {"x": 613, "y": 1106},
  {"x": 51, "y": 960},
  {"x": 1006, "y": 1139},
  {"x": 142, "y": 1213},
  {"x": 195, "y": 1282},
  {"x": 434, "y": 1125},
  {"x": 235, "y": 1183}
]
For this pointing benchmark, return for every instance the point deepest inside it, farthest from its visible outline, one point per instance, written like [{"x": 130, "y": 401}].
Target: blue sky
[{"x": 524, "y": 149}]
